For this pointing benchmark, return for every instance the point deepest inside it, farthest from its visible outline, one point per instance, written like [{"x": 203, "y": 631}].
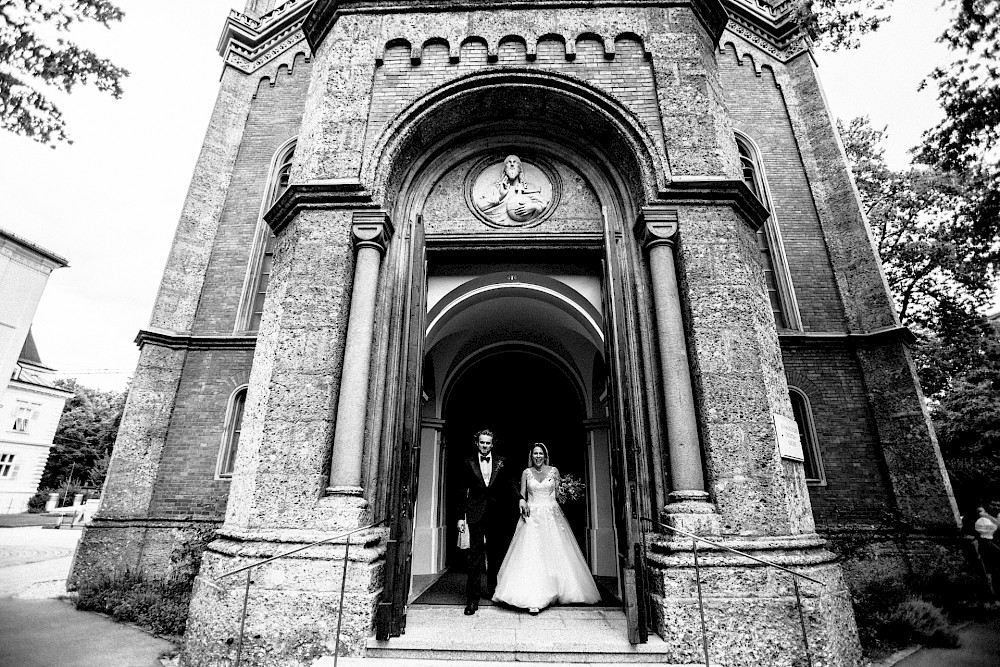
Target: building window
[
  {"x": 776, "y": 276},
  {"x": 22, "y": 418},
  {"x": 231, "y": 436},
  {"x": 807, "y": 436},
  {"x": 7, "y": 468},
  {"x": 262, "y": 258}
]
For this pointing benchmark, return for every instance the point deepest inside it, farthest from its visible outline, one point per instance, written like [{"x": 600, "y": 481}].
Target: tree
[
  {"x": 33, "y": 52},
  {"x": 937, "y": 252},
  {"x": 840, "y": 23},
  {"x": 940, "y": 257},
  {"x": 84, "y": 437}
]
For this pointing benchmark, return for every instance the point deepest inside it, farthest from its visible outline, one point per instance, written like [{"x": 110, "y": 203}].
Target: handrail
[
  {"x": 298, "y": 549},
  {"x": 735, "y": 551},
  {"x": 343, "y": 583},
  {"x": 701, "y": 605}
]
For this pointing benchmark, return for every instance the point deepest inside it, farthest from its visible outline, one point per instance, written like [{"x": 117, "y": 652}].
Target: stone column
[
  {"x": 657, "y": 229},
  {"x": 370, "y": 233}
]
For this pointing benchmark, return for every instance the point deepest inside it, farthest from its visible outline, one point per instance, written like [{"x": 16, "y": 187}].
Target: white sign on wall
[{"x": 789, "y": 444}]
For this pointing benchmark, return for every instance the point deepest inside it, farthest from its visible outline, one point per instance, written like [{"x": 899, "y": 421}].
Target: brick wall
[
  {"x": 856, "y": 491},
  {"x": 186, "y": 484},
  {"x": 627, "y": 77},
  {"x": 758, "y": 110},
  {"x": 275, "y": 117}
]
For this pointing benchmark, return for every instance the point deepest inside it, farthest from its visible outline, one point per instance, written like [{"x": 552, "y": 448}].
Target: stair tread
[{"x": 327, "y": 661}]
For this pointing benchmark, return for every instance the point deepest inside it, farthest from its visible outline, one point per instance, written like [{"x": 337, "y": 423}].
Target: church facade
[{"x": 625, "y": 229}]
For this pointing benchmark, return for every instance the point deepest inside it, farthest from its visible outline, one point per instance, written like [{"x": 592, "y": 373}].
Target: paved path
[
  {"x": 37, "y": 630},
  {"x": 46, "y": 633},
  {"x": 35, "y": 558},
  {"x": 980, "y": 648}
]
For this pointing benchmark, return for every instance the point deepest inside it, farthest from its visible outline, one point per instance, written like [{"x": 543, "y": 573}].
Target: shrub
[
  {"x": 36, "y": 504},
  {"x": 918, "y": 621},
  {"x": 892, "y": 615},
  {"x": 161, "y": 605}
]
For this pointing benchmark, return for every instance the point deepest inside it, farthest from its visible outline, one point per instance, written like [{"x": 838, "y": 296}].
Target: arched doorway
[{"x": 433, "y": 173}]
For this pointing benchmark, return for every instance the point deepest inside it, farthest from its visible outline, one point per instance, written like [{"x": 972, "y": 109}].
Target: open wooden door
[
  {"x": 390, "y": 618},
  {"x": 624, "y": 418}
]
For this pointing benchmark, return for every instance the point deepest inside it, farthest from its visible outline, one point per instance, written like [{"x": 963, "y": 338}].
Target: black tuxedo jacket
[{"x": 495, "y": 502}]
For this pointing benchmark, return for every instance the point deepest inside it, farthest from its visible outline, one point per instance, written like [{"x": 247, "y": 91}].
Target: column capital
[
  {"x": 371, "y": 229},
  {"x": 657, "y": 225}
]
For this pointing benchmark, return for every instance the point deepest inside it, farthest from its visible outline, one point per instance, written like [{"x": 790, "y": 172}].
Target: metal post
[
  {"x": 802, "y": 620},
  {"x": 340, "y": 608},
  {"x": 701, "y": 604},
  {"x": 243, "y": 620}
]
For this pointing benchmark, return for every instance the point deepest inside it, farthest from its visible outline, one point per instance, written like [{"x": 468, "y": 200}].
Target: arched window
[
  {"x": 807, "y": 435},
  {"x": 231, "y": 434},
  {"x": 776, "y": 276},
  {"x": 262, "y": 259}
]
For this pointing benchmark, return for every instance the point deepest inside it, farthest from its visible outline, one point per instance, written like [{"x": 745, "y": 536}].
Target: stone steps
[
  {"x": 567, "y": 635},
  {"x": 426, "y": 662}
]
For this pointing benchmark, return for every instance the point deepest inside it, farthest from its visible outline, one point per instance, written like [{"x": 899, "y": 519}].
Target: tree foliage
[
  {"x": 84, "y": 437},
  {"x": 937, "y": 228},
  {"x": 938, "y": 253},
  {"x": 34, "y": 53},
  {"x": 840, "y": 23}
]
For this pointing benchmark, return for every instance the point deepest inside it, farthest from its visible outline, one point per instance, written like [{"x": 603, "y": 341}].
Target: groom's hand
[
  {"x": 523, "y": 506},
  {"x": 461, "y": 525}
]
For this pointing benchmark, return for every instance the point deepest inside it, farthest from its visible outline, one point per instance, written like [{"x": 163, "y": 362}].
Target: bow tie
[{"x": 484, "y": 458}]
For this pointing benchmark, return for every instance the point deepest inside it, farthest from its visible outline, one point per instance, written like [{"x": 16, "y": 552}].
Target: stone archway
[{"x": 422, "y": 170}]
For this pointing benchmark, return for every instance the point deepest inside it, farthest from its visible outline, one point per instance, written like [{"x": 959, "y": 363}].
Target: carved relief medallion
[{"x": 506, "y": 191}]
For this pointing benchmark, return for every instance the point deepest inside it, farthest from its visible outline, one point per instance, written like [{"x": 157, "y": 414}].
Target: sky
[{"x": 109, "y": 202}]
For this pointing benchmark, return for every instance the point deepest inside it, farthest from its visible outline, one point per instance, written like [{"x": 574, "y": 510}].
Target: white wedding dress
[{"x": 544, "y": 564}]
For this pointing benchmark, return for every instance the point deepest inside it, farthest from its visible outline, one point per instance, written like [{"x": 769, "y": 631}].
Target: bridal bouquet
[{"x": 570, "y": 488}]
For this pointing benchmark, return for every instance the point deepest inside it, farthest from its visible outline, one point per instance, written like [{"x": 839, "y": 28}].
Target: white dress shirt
[{"x": 486, "y": 467}]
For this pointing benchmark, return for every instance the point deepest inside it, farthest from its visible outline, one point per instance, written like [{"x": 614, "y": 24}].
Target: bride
[{"x": 544, "y": 564}]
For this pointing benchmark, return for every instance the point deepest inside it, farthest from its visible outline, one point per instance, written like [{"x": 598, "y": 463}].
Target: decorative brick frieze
[{"x": 248, "y": 43}]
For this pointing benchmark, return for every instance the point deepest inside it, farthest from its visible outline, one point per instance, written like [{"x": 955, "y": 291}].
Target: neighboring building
[
  {"x": 29, "y": 403},
  {"x": 24, "y": 271},
  {"x": 625, "y": 229},
  {"x": 32, "y": 405}
]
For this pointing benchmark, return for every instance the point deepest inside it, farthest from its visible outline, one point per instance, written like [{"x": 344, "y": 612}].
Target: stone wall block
[
  {"x": 135, "y": 461},
  {"x": 689, "y": 94},
  {"x": 338, "y": 102},
  {"x": 291, "y": 405},
  {"x": 913, "y": 459},
  {"x": 292, "y": 609},
  {"x": 738, "y": 374},
  {"x": 105, "y": 547},
  {"x": 751, "y": 613}
]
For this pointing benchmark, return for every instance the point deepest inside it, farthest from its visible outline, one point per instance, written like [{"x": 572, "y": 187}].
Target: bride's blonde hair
[{"x": 531, "y": 460}]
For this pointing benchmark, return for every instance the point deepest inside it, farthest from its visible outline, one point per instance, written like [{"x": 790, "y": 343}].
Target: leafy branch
[{"x": 33, "y": 53}]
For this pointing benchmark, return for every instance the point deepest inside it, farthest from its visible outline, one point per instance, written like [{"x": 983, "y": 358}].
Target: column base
[
  {"x": 692, "y": 512},
  {"x": 345, "y": 491},
  {"x": 751, "y": 611},
  {"x": 293, "y": 604}
]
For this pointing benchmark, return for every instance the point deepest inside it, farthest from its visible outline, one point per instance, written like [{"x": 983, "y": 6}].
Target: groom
[{"x": 487, "y": 497}]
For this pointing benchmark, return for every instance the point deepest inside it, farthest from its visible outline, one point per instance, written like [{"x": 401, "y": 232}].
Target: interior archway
[{"x": 524, "y": 396}]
